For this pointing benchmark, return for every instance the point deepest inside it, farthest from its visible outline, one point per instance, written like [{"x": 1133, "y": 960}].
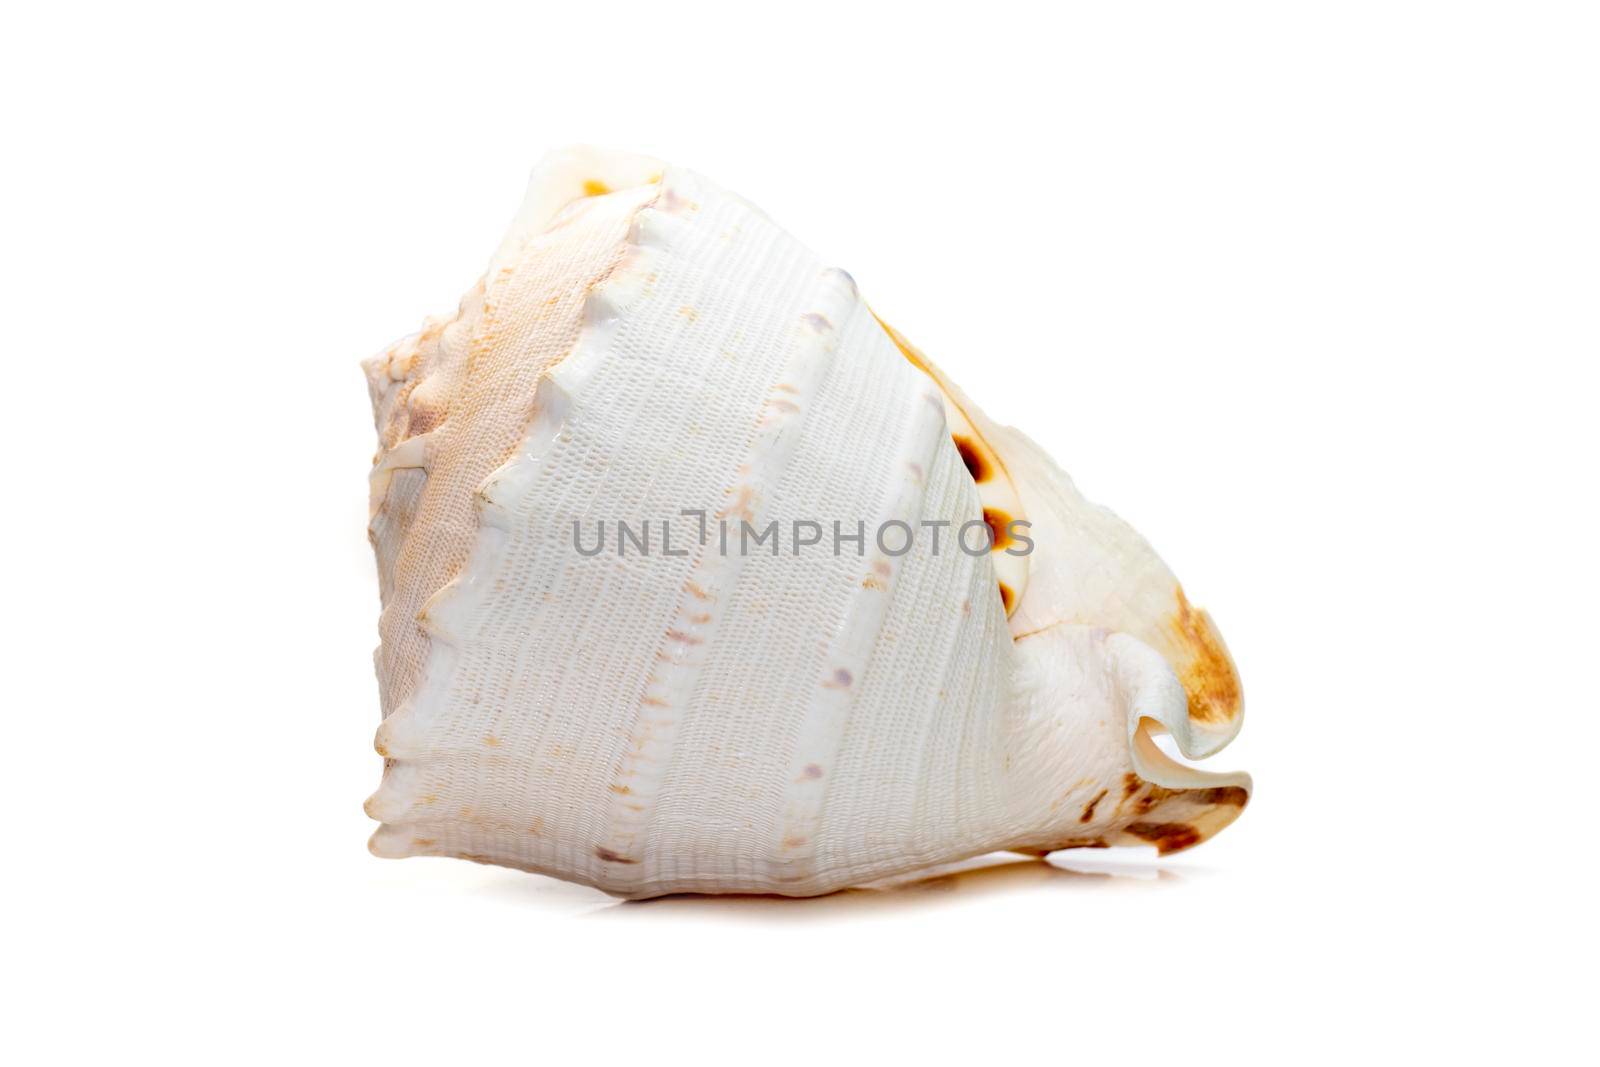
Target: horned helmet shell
[{"x": 936, "y": 647}]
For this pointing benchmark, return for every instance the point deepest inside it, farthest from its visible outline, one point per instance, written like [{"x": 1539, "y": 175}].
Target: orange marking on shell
[
  {"x": 906, "y": 349},
  {"x": 1208, "y": 675},
  {"x": 998, "y": 521},
  {"x": 997, "y": 492}
]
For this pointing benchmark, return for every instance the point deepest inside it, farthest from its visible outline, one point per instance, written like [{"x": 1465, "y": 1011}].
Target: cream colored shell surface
[{"x": 646, "y": 344}]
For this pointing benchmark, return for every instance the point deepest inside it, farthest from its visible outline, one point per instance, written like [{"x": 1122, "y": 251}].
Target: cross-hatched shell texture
[{"x": 783, "y": 718}]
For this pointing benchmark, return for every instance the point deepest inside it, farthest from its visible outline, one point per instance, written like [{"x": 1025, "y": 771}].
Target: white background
[{"x": 1308, "y": 293}]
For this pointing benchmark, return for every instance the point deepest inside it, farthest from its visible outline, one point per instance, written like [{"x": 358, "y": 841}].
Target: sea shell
[{"x": 791, "y": 719}]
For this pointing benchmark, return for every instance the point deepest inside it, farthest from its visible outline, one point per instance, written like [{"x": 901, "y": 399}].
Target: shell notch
[{"x": 790, "y": 720}]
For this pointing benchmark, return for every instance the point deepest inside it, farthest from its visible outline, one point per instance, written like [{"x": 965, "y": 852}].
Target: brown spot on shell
[
  {"x": 688, "y": 313},
  {"x": 491, "y": 740},
  {"x": 972, "y": 456},
  {"x": 1231, "y": 795},
  {"x": 1008, "y": 599},
  {"x": 812, "y": 771},
  {"x": 595, "y": 187},
  {"x": 1154, "y": 794},
  {"x": 1088, "y": 809},
  {"x": 1207, "y": 674},
  {"x": 612, "y": 857},
  {"x": 841, "y": 679},
  {"x": 1166, "y": 836}
]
